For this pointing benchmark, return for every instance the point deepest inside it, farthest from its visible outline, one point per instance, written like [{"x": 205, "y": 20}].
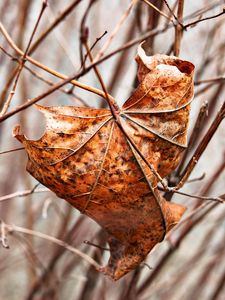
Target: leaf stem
[{"x": 110, "y": 100}]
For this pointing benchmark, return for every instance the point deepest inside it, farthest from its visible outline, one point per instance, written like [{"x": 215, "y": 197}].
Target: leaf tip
[
  {"x": 16, "y": 133},
  {"x": 149, "y": 63},
  {"x": 173, "y": 213}
]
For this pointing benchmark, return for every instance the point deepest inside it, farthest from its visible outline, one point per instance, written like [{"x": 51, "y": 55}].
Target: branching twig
[
  {"x": 14, "y": 228},
  {"x": 182, "y": 234},
  {"x": 53, "y": 25},
  {"x": 217, "y": 199},
  {"x": 84, "y": 31},
  {"x": 51, "y": 83},
  {"x": 48, "y": 92},
  {"x": 178, "y": 29},
  {"x": 23, "y": 193},
  {"x": 49, "y": 70},
  {"x": 94, "y": 44},
  {"x": 115, "y": 31},
  {"x": 204, "y": 19},
  {"x": 57, "y": 267},
  {"x": 202, "y": 146},
  {"x": 195, "y": 134},
  {"x": 208, "y": 185},
  {"x": 110, "y": 100},
  {"x": 158, "y": 10},
  {"x": 194, "y": 261},
  {"x": 23, "y": 60},
  {"x": 173, "y": 14}
]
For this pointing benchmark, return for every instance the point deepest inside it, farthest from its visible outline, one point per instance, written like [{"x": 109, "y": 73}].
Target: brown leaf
[{"x": 86, "y": 158}]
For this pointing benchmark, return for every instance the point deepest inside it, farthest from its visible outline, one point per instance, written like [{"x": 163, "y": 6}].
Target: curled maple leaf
[{"x": 108, "y": 167}]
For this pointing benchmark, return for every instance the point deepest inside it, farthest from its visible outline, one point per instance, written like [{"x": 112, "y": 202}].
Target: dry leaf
[{"x": 86, "y": 158}]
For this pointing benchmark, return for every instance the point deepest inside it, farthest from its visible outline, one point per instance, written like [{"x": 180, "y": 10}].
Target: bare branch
[
  {"x": 179, "y": 29},
  {"x": 12, "y": 150},
  {"x": 158, "y": 10},
  {"x": 49, "y": 70},
  {"x": 23, "y": 193},
  {"x": 115, "y": 31},
  {"x": 215, "y": 79},
  {"x": 61, "y": 17},
  {"x": 204, "y": 19},
  {"x": 22, "y": 61},
  {"x": 14, "y": 228},
  {"x": 51, "y": 83},
  {"x": 202, "y": 146}
]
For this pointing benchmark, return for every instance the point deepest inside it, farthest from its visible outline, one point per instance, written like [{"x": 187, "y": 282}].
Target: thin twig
[
  {"x": 217, "y": 199},
  {"x": 115, "y": 31},
  {"x": 95, "y": 245},
  {"x": 94, "y": 44},
  {"x": 23, "y": 60},
  {"x": 129, "y": 44},
  {"x": 49, "y": 70},
  {"x": 204, "y": 19},
  {"x": 87, "y": 69},
  {"x": 204, "y": 89},
  {"x": 12, "y": 150},
  {"x": 48, "y": 271},
  {"x": 158, "y": 10},
  {"x": 173, "y": 14},
  {"x": 48, "y": 92},
  {"x": 23, "y": 193},
  {"x": 86, "y": 55},
  {"x": 57, "y": 21},
  {"x": 84, "y": 31},
  {"x": 215, "y": 79},
  {"x": 197, "y": 178},
  {"x": 179, "y": 29},
  {"x": 195, "y": 134},
  {"x": 182, "y": 234},
  {"x": 14, "y": 228},
  {"x": 155, "y": 31},
  {"x": 194, "y": 261},
  {"x": 202, "y": 146},
  {"x": 111, "y": 102},
  {"x": 208, "y": 185},
  {"x": 51, "y": 83},
  {"x": 52, "y": 26}
]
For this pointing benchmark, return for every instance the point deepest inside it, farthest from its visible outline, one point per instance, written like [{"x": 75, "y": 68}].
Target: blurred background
[{"x": 190, "y": 262}]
